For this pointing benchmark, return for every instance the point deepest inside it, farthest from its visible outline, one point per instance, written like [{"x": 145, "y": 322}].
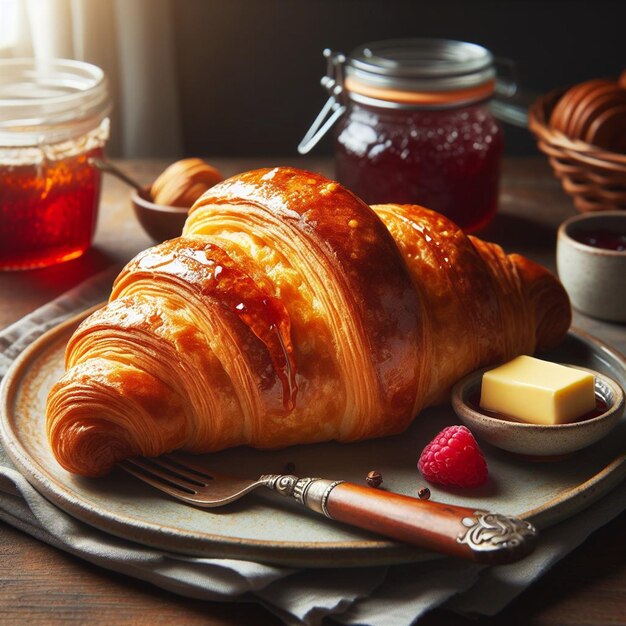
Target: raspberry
[{"x": 453, "y": 458}]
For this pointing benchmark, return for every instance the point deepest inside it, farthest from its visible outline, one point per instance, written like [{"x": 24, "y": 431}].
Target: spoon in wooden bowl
[{"x": 162, "y": 207}]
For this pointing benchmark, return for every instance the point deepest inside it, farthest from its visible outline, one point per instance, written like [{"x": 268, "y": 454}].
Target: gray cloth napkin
[{"x": 375, "y": 596}]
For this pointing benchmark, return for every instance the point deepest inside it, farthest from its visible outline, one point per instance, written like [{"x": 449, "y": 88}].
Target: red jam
[
  {"x": 265, "y": 315},
  {"x": 446, "y": 159},
  {"x": 53, "y": 119},
  {"x": 47, "y": 211},
  {"x": 602, "y": 238}
]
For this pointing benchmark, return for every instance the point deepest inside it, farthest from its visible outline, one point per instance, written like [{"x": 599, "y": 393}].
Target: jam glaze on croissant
[{"x": 291, "y": 312}]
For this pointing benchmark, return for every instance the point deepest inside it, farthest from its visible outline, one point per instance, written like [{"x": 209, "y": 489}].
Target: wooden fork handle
[{"x": 458, "y": 531}]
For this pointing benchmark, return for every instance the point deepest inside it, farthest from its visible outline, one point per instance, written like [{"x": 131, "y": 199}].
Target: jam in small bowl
[{"x": 591, "y": 261}]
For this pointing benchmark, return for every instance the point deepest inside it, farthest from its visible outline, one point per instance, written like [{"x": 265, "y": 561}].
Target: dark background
[{"x": 249, "y": 70}]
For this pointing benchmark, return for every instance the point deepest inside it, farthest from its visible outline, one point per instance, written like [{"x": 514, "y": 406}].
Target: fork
[{"x": 468, "y": 533}]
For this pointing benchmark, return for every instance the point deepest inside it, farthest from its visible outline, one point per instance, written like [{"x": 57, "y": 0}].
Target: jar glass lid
[
  {"x": 49, "y": 100},
  {"x": 420, "y": 65}
]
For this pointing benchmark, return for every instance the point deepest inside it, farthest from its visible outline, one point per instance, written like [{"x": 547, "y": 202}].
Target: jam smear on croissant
[{"x": 224, "y": 281}]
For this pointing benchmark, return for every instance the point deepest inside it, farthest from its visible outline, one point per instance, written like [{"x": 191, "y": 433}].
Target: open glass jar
[
  {"x": 53, "y": 119},
  {"x": 413, "y": 124}
]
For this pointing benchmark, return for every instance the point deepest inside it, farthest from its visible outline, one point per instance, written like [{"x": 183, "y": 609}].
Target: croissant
[{"x": 291, "y": 312}]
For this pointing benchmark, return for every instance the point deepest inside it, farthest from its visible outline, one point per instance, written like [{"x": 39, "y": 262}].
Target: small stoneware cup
[
  {"x": 594, "y": 276},
  {"x": 537, "y": 440}
]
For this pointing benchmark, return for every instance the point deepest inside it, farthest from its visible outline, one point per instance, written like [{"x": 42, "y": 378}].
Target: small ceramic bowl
[
  {"x": 532, "y": 439},
  {"x": 161, "y": 222},
  {"x": 594, "y": 277}
]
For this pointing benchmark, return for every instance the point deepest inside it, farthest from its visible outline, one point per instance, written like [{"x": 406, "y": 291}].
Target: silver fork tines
[
  {"x": 188, "y": 482},
  {"x": 167, "y": 475}
]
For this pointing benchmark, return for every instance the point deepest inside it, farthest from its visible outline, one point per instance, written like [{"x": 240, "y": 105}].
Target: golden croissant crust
[{"x": 291, "y": 312}]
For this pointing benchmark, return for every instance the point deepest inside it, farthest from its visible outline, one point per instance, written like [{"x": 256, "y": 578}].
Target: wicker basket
[{"x": 593, "y": 177}]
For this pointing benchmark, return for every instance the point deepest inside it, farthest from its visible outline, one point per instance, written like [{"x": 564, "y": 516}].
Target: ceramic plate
[{"x": 267, "y": 528}]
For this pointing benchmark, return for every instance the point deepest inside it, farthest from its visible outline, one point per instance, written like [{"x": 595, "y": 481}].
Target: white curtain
[{"x": 132, "y": 41}]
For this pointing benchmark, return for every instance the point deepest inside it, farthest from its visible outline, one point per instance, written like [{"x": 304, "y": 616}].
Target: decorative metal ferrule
[
  {"x": 310, "y": 492},
  {"x": 500, "y": 538}
]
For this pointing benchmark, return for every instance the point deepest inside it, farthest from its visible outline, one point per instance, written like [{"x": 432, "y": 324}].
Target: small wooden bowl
[
  {"x": 538, "y": 440},
  {"x": 593, "y": 177},
  {"x": 161, "y": 222}
]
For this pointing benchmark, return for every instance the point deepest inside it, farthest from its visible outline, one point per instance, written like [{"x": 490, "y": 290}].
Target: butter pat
[{"x": 538, "y": 392}]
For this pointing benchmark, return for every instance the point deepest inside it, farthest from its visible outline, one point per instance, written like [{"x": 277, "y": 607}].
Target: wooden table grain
[{"x": 42, "y": 585}]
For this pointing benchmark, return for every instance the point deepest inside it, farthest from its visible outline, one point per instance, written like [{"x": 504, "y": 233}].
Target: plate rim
[{"x": 290, "y": 553}]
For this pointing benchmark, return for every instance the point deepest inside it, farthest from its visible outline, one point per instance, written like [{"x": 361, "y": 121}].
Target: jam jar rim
[
  {"x": 419, "y": 73},
  {"x": 70, "y": 98},
  {"x": 430, "y": 63}
]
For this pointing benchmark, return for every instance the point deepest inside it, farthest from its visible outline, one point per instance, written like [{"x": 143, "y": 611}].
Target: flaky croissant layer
[{"x": 291, "y": 312}]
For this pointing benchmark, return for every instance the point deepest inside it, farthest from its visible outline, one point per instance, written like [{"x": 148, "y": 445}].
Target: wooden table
[{"x": 41, "y": 585}]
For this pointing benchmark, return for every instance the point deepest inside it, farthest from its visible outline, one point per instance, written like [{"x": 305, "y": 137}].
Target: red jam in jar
[
  {"x": 48, "y": 212},
  {"x": 447, "y": 160},
  {"x": 415, "y": 126},
  {"x": 53, "y": 119}
]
